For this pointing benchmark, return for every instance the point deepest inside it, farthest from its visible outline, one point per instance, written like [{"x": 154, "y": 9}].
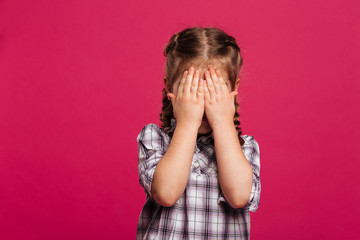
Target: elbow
[
  {"x": 238, "y": 203},
  {"x": 241, "y": 199},
  {"x": 164, "y": 199}
]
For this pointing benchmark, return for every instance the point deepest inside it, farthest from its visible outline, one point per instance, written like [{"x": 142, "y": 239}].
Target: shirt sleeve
[
  {"x": 150, "y": 151},
  {"x": 252, "y": 154}
]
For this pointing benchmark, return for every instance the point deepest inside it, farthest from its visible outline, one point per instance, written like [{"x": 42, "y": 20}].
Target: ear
[
  {"x": 233, "y": 95},
  {"x": 237, "y": 84},
  {"x": 168, "y": 93}
]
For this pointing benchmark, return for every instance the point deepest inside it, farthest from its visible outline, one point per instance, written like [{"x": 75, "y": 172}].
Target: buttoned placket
[{"x": 196, "y": 163}]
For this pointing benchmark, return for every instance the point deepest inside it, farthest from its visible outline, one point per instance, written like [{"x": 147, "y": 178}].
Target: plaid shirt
[{"x": 202, "y": 212}]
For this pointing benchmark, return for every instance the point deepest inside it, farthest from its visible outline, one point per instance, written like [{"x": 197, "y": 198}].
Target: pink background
[{"x": 79, "y": 79}]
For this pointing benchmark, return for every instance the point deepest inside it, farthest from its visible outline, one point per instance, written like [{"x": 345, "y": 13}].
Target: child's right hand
[{"x": 188, "y": 103}]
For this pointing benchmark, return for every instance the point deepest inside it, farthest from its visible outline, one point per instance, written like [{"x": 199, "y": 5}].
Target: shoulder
[
  {"x": 251, "y": 146},
  {"x": 152, "y": 133},
  {"x": 249, "y": 140},
  {"x": 150, "y": 130},
  {"x": 252, "y": 151}
]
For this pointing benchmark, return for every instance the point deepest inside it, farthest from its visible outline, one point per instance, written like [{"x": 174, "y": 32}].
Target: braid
[
  {"x": 237, "y": 122},
  {"x": 166, "y": 114},
  {"x": 171, "y": 45},
  {"x": 230, "y": 41},
  {"x": 167, "y": 110},
  {"x": 237, "y": 60}
]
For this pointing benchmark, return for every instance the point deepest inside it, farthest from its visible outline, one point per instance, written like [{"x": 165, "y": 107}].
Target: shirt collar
[{"x": 173, "y": 126}]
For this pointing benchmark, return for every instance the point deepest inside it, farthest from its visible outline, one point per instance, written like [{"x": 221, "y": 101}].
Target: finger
[
  {"x": 206, "y": 91},
  {"x": 188, "y": 81},
  {"x": 216, "y": 81},
  {"x": 200, "y": 91},
  {"x": 182, "y": 83},
  {"x": 210, "y": 84},
  {"x": 222, "y": 81},
  {"x": 195, "y": 83}
]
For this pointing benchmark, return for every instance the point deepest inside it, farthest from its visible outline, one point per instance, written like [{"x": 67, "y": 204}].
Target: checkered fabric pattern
[{"x": 202, "y": 212}]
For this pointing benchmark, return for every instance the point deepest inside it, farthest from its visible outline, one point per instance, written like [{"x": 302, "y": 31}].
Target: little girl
[{"x": 200, "y": 174}]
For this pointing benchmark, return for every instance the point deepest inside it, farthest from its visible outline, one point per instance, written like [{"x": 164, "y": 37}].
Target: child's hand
[
  {"x": 219, "y": 103},
  {"x": 188, "y": 104}
]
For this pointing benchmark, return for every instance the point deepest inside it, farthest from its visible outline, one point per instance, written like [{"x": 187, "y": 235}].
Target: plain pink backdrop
[{"x": 79, "y": 79}]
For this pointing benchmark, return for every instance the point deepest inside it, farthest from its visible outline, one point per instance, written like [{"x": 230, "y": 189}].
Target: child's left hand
[{"x": 219, "y": 103}]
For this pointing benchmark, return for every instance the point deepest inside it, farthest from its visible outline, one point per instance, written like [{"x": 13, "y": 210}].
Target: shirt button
[{"x": 196, "y": 164}]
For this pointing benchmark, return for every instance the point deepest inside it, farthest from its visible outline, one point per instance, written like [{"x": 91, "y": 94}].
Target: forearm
[
  {"x": 235, "y": 172},
  {"x": 172, "y": 172}
]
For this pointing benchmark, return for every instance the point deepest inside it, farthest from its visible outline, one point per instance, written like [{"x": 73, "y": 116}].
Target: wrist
[
  {"x": 187, "y": 126},
  {"x": 221, "y": 124}
]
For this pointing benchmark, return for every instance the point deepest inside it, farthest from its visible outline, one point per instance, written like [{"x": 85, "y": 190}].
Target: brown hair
[{"x": 208, "y": 45}]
